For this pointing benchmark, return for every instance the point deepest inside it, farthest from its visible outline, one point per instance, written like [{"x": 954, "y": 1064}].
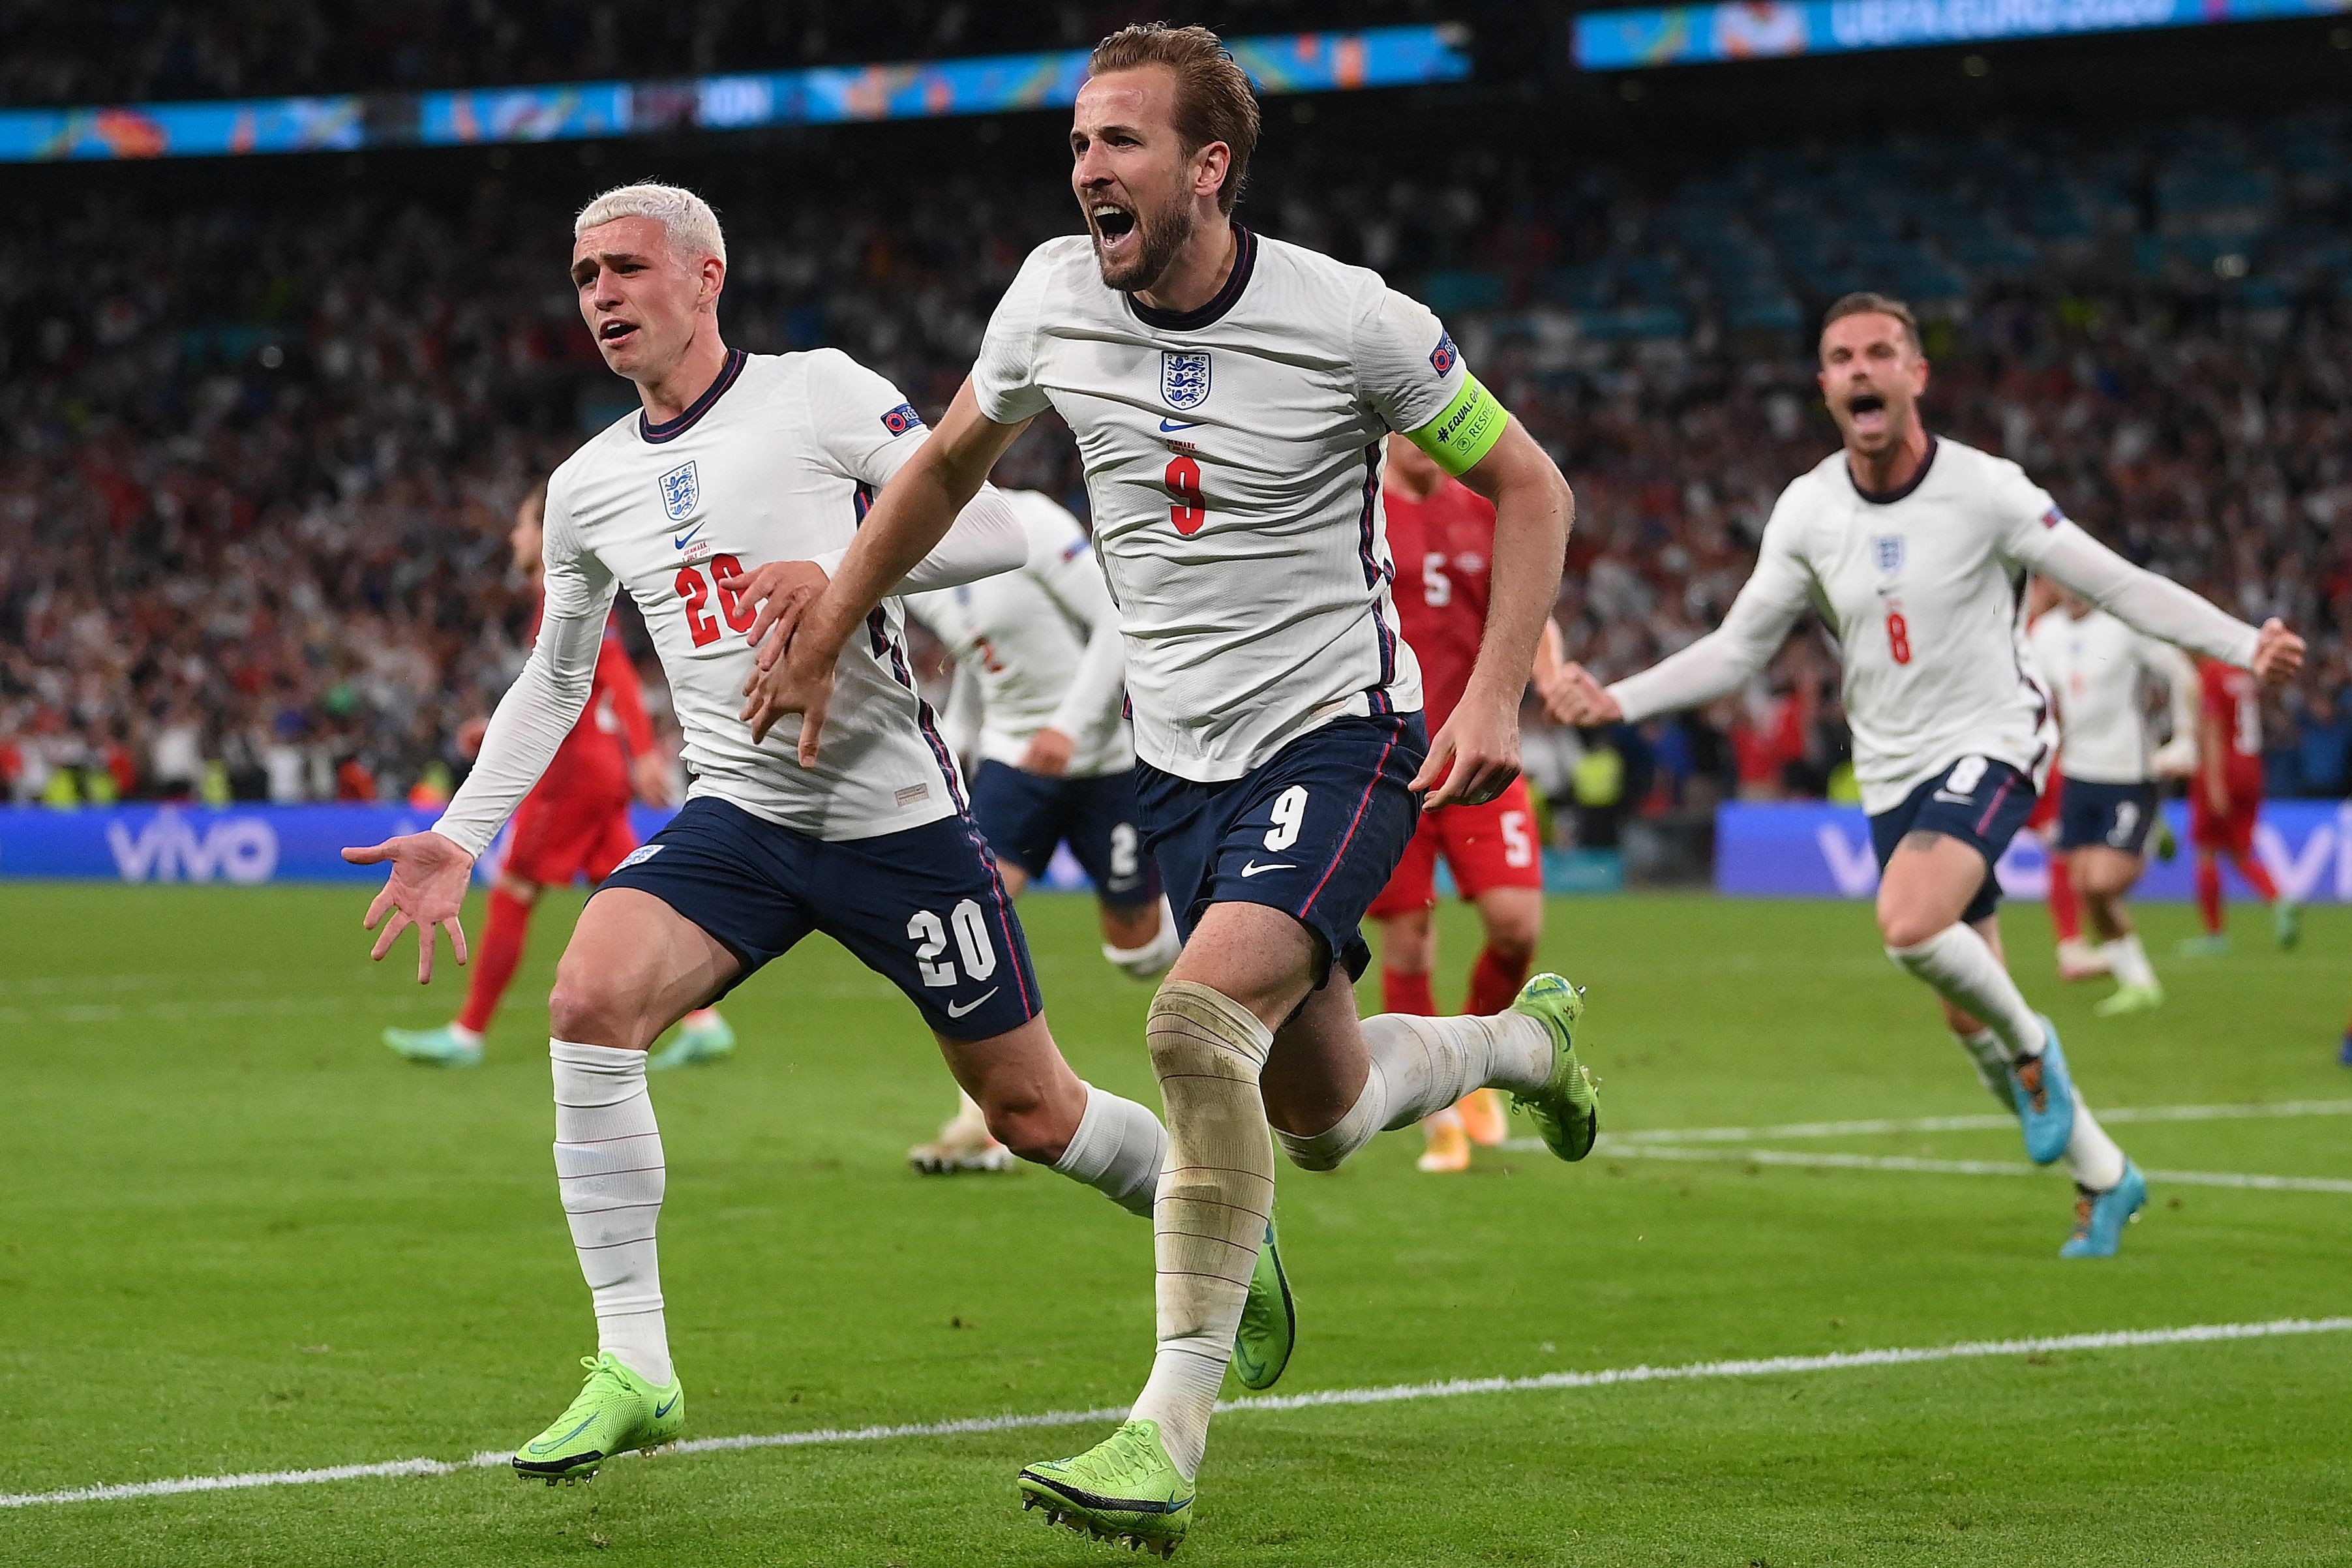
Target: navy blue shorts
[
  {"x": 1025, "y": 815},
  {"x": 1315, "y": 831},
  {"x": 924, "y": 908},
  {"x": 2113, "y": 815},
  {"x": 1977, "y": 800}
]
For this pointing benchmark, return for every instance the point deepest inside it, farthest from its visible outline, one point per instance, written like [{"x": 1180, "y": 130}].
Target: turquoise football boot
[
  {"x": 2100, "y": 1217},
  {"x": 709, "y": 1040},
  {"x": 441, "y": 1047},
  {"x": 2286, "y": 923},
  {"x": 2044, "y": 1093}
]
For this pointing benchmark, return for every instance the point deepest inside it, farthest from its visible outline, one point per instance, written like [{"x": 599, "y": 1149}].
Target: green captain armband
[{"x": 1466, "y": 430}]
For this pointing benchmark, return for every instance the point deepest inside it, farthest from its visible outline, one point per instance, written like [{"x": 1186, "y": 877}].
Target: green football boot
[
  {"x": 1124, "y": 1489},
  {"x": 707, "y": 1041},
  {"x": 441, "y": 1047},
  {"x": 1566, "y": 1109},
  {"x": 2211, "y": 945},
  {"x": 2129, "y": 999},
  {"x": 1269, "y": 1330},
  {"x": 617, "y": 1411},
  {"x": 2286, "y": 922}
]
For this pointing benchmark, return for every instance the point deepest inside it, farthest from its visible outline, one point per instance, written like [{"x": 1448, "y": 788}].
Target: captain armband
[{"x": 1465, "y": 431}]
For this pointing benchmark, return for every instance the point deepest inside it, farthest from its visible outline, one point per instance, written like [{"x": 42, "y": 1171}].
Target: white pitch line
[
  {"x": 1453, "y": 1388},
  {"x": 1989, "y": 1121},
  {"x": 1965, "y": 1167}
]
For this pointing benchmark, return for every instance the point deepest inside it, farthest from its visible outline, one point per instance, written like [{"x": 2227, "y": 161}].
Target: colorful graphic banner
[
  {"x": 1805, "y": 851},
  {"x": 1768, "y": 29},
  {"x": 1303, "y": 62}
]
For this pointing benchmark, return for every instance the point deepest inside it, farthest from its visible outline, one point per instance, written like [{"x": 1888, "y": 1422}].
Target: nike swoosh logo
[
  {"x": 956, "y": 1012},
  {"x": 662, "y": 1410},
  {"x": 1168, "y": 425},
  {"x": 1252, "y": 868},
  {"x": 544, "y": 1446},
  {"x": 678, "y": 542}
]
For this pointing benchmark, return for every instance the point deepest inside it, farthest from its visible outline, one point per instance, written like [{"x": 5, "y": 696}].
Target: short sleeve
[
  {"x": 865, "y": 427},
  {"x": 1407, "y": 367},
  {"x": 1004, "y": 377}
]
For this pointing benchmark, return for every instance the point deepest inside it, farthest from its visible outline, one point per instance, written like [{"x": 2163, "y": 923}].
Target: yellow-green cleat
[
  {"x": 617, "y": 1411},
  {"x": 1566, "y": 1109},
  {"x": 1269, "y": 1330},
  {"x": 1125, "y": 1490}
]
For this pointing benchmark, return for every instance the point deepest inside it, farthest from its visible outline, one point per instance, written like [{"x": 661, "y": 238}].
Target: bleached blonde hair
[{"x": 685, "y": 218}]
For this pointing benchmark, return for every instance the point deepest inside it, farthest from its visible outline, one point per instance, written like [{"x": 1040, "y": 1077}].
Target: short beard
[{"x": 1162, "y": 236}]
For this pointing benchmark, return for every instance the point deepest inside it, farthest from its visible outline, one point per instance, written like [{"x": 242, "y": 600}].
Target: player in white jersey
[
  {"x": 1230, "y": 395},
  {"x": 1038, "y": 663},
  {"x": 739, "y": 464},
  {"x": 2098, "y": 670},
  {"x": 1916, "y": 550}
]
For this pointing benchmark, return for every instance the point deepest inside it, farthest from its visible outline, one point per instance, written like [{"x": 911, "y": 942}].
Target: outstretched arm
[
  {"x": 913, "y": 514},
  {"x": 1715, "y": 665},
  {"x": 2160, "y": 607}
]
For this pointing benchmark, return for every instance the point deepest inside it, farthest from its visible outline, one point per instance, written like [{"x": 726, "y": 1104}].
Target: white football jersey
[
  {"x": 2099, "y": 669},
  {"x": 1232, "y": 456},
  {"x": 778, "y": 461},
  {"x": 1923, "y": 589},
  {"x": 1023, "y": 635}
]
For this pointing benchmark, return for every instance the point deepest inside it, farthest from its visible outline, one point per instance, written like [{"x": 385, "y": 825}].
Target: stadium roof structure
[{"x": 823, "y": 95}]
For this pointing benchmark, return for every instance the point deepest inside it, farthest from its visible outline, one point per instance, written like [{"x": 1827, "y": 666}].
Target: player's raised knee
[{"x": 593, "y": 1006}]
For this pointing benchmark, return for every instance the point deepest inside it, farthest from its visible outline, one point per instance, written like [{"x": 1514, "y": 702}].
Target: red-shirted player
[
  {"x": 1442, "y": 537},
  {"x": 2225, "y": 801},
  {"x": 575, "y": 822}
]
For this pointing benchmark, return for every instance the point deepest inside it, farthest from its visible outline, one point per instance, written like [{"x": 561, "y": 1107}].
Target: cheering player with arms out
[
  {"x": 1228, "y": 395},
  {"x": 1442, "y": 537},
  {"x": 1916, "y": 550},
  {"x": 573, "y": 822},
  {"x": 742, "y": 468},
  {"x": 2225, "y": 805}
]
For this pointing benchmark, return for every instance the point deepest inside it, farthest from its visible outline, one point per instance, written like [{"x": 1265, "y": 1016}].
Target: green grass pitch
[{"x": 237, "y": 1235}]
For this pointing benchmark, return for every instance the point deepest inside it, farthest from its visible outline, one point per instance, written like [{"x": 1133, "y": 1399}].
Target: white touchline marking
[
  {"x": 1392, "y": 1394},
  {"x": 1989, "y": 1121},
  {"x": 1965, "y": 1167}
]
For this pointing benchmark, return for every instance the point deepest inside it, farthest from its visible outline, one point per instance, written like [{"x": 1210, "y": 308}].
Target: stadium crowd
[{"x": 256, "y": 460}]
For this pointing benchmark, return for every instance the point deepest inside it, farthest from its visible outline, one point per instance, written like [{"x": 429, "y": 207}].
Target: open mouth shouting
[
  {"x": 613, "y": 332},
  {"x": 1117, "y": 237},
  {"x": 1868, "y": 412}
]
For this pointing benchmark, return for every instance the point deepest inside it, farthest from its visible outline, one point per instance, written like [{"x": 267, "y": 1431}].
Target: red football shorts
[
  {"x": 1489, "y": 845},
  {"x": 2045, "y": 807},
  {"x": 558, "y": 837},
  {"x": 2231, "y": 831}
]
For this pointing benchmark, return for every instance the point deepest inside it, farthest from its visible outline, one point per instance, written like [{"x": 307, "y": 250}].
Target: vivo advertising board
[{"x": 1809, "y": 850}]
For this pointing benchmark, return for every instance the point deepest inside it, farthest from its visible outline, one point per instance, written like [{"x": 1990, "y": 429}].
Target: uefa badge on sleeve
[
  {"x": 1183, "y": 379},
  {"x": 681, "y": 491}
]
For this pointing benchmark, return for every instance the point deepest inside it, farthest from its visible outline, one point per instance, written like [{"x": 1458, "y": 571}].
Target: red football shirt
[
  {"x": 593, "y": 762},
  {"x": 2232, "y": 699},
  {"x": 1444, "y": 551}
]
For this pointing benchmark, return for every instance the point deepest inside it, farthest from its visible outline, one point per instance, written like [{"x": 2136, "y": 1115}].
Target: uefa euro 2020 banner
[
  {"x": 247, "y": 844},
  {"x": 1806, "y": 850}
]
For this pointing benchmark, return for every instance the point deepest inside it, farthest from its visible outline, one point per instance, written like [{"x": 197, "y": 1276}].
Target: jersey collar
[
  {"x": 1224, "y": 299},
  {"x": 1888, "y": 498},
  {"x": 671, "y": 430}
]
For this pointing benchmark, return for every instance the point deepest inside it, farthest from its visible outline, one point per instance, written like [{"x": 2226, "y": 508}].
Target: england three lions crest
[
  {"x": 681, "y": 491},
  {"x": 1889, "y": 550},
  {"x": 1183, "y": 379}
]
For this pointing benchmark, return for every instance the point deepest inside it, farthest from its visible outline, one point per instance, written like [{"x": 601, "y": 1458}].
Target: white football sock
[
  {"x": 2128, "y": 961},
  {"x": 1420, "y": 1066},
  {"x": 1117, "y": 1149},
  {"x": 608, "y": 1166},
  {"x": 1992, "y": 1068},
  {"x": 1964, "y": 971},
  {"x": 2091, "y": 1154},
  {"x": 1155, "y": 957},
  {"x": 1215, "y": 1194}
]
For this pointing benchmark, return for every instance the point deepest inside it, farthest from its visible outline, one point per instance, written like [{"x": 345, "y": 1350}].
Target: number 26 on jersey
[{"x": 695, "y": 590}]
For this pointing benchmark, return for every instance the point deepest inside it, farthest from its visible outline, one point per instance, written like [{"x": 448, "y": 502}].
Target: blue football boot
[
  {"x": 2044, "y": 1093},
  {"x": 2100, "y": 1217}
]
